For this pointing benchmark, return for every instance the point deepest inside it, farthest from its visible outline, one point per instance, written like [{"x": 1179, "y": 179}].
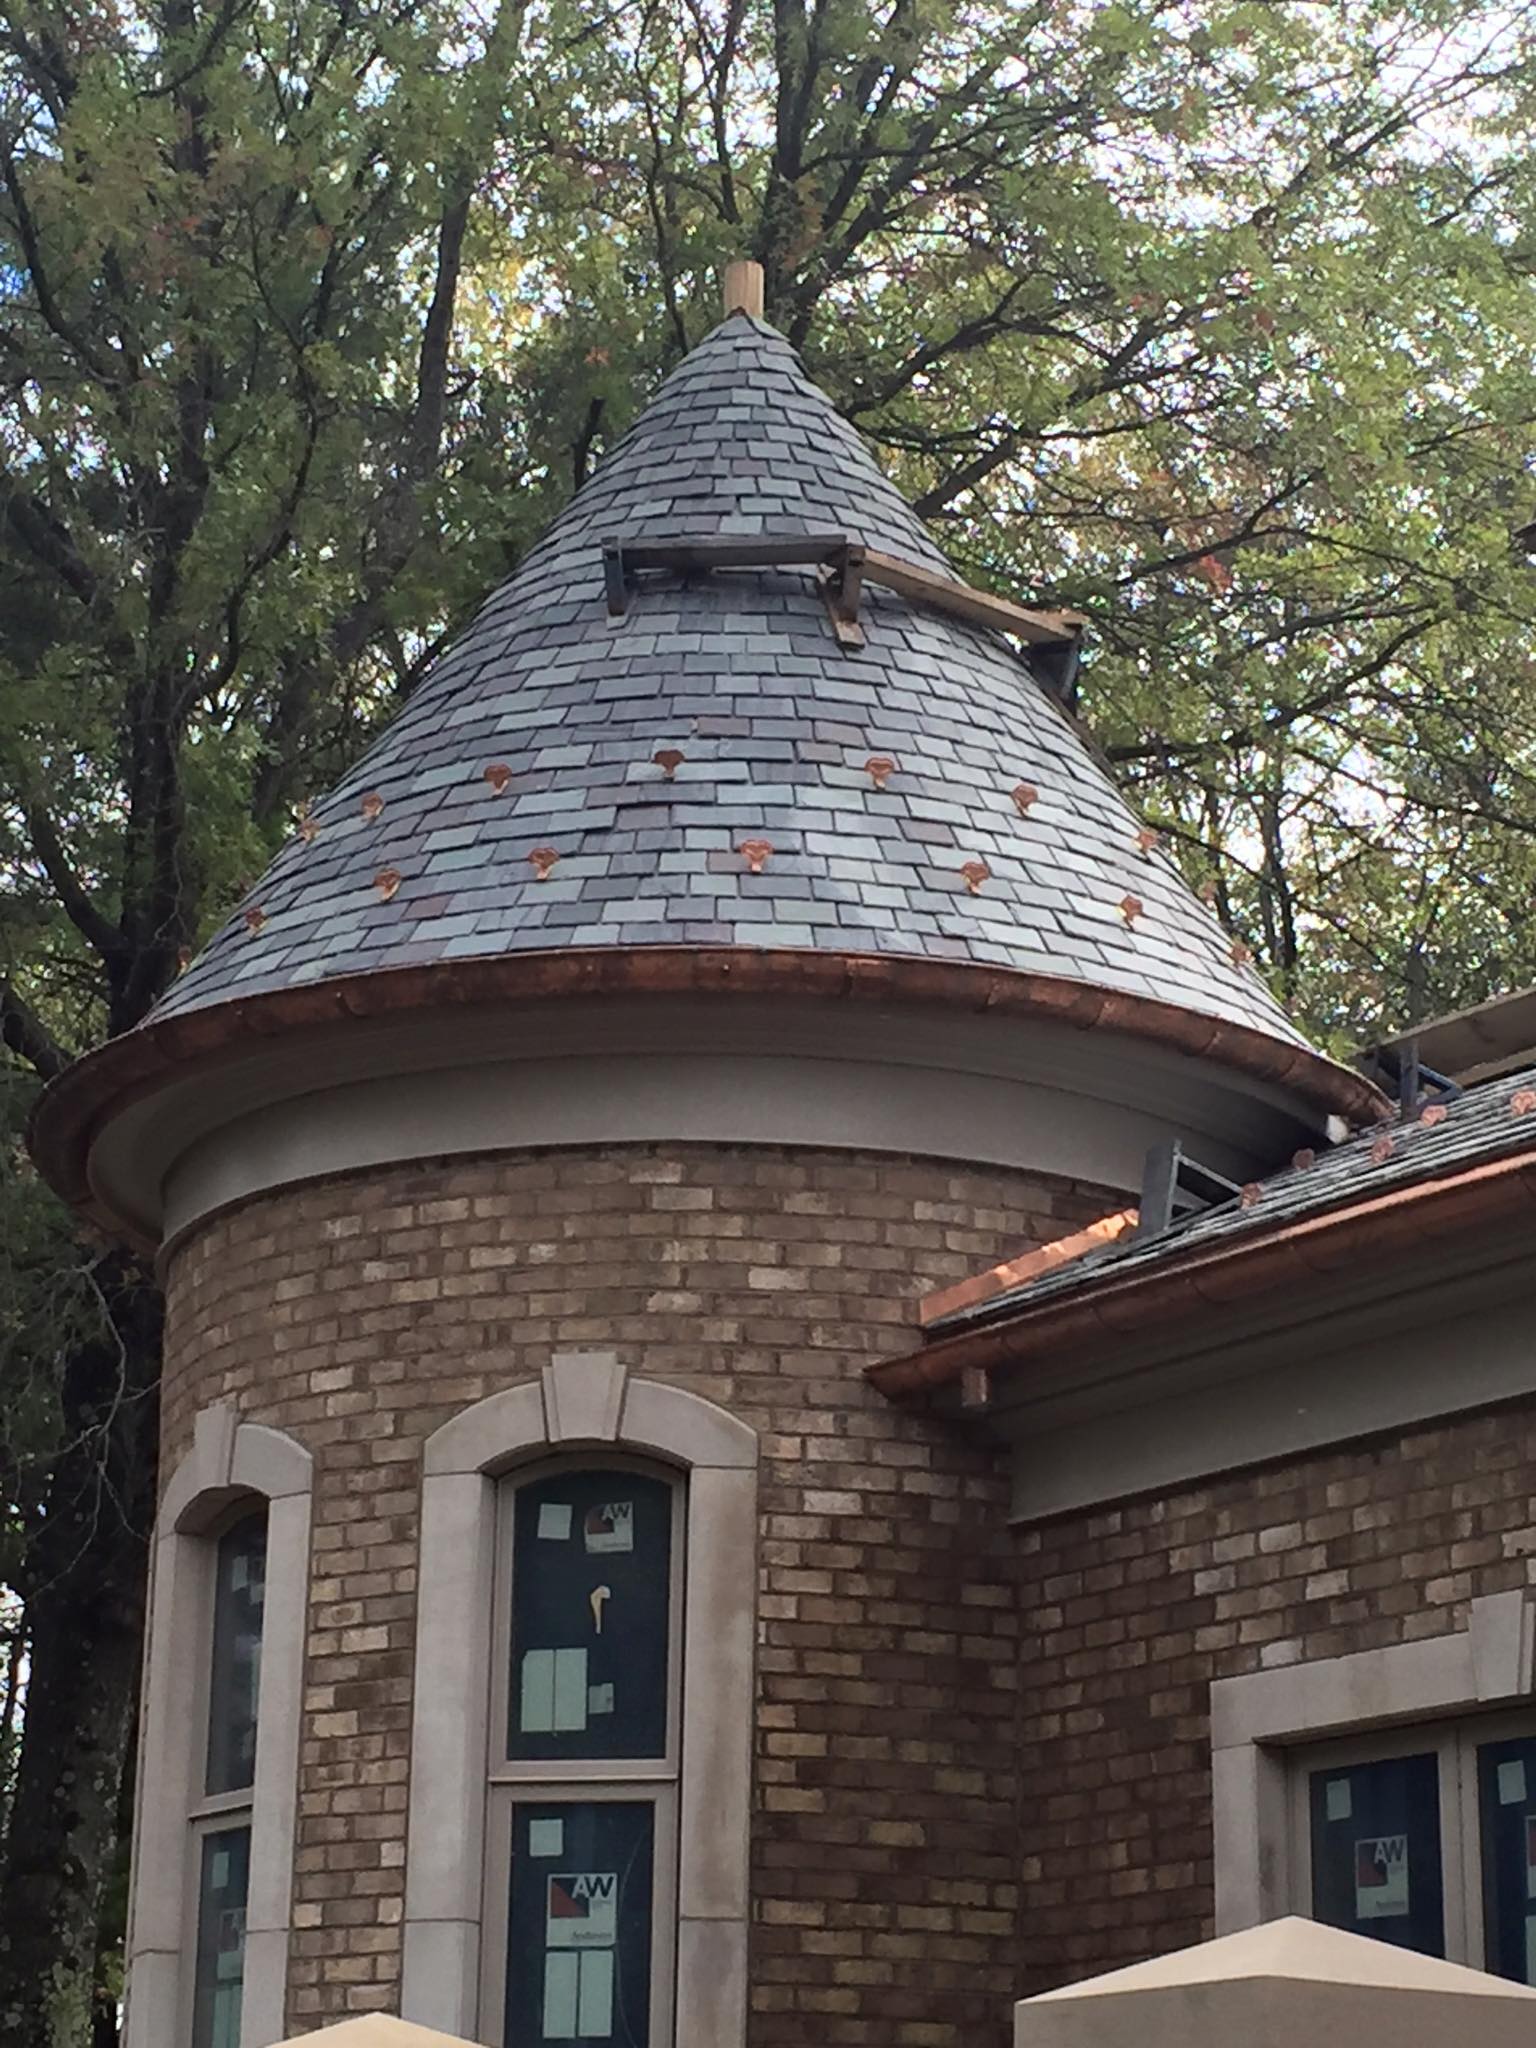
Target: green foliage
[{"x": 1216, "y": 321}]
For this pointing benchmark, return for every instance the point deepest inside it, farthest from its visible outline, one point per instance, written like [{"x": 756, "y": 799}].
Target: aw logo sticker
[
  {"x": 1381, "y": 1877},
  {"x": 582, "y": 1910}
]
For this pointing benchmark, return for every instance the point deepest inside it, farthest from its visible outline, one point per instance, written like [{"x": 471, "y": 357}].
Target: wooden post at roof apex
[{"x": 744, "y": 288}]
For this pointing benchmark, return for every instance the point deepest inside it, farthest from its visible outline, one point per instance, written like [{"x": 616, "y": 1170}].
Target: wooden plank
[
  {"x": 744, "y": 288},
  {"x": 762, "y": 551},
  {"x": 980, "y": 608},
  {"x": 845, "y": 623}
]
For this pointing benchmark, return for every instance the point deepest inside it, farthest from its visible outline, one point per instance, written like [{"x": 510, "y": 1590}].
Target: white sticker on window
[
  {"x": 1381, "y": 1877},
  {"x": 546, "y": 1838},
  {"x": 1339, "y": 1804},
  {"x": 582, "y": 1909},
  {"x": 218, "y": 1869},
  {"x": 599, "y": 1699},
  {"x": 239, "y": 1573},
  {"x": 570, "y": 1691},
  {"x": 554, "y": 1692},
  {"x": 1512, "y": 1783},
  {"x": 594, "y": 2007},
  {"x": 562, "y": 1978},
  {"x": 554, "y": 1521},
  {"x": 578, "y": 1994},
  {"x": 610, "y": 1527},
  {"x": 536, "y": 1712}
]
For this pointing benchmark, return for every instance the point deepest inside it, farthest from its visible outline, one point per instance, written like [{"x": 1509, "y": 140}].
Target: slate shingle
[
  {"x": 1492, "y": 1121},
  {"x": 741, "y": 673}
]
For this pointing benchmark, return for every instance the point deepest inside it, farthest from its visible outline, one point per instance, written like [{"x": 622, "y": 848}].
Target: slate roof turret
[{"x": 518, "y": 804}]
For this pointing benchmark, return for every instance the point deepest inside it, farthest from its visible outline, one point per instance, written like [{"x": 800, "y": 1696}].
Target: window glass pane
[
  {"x": 580, "y": 1924},
  {"x": 239, "y": 1591},
  {"x": 1376, "y": 1851},
  {"x": 591, "y": 1599},
  {"x": 1506, "y": 1800},
  {"x": 226, "y": 1869}
]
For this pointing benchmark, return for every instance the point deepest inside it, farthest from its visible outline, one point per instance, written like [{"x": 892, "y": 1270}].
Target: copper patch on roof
[
  {"x": 1130, "y": 908},
  {"x": 541, "y": 860},
  {"x": 304, "y": 823},
  {"x": 755, "y": 853},
  {"x": 1013, "y": 1273},
  {"x": 255, "y": 918},
  {"x": 1382, "y": 1149},
  {"x": 976, "y": 872},
  {"x": 1303, "y": 1159},
  {"x": 387, "y": 882},
  {"x": 880, "y": 768},
  {"x": 1148, "y": 841},
  {"x": 498, "y": 775},
  {"x": 1433, "y": 1113},
  {"x": 1252, "y": 1194},
  {"x": 372, "y": 805},
  {"x": 669, "y": 760},
  {"x": 1024, "y": 794},
  {"x": 1239, "y": 954},
  {"x": 1522, "y": 1102}
]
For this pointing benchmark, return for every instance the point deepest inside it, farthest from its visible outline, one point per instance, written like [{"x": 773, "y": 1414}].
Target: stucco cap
[
  {"x": 378, "y": 2030},
  {"x": 1297, "y": 1951}
]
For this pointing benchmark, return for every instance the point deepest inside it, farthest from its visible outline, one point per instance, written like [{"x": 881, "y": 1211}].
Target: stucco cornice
[{"x": 77, "y": 1107}]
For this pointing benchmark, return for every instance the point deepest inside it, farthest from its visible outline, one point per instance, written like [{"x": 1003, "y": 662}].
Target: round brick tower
[{"x": 554, "y": 1636}]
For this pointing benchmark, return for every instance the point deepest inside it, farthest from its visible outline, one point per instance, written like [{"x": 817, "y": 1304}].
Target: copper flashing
[
  {"x": 1116, "y": 1305},
  {"x": 948, "y": 1301},
  {"x": 75, "y": 1106}
]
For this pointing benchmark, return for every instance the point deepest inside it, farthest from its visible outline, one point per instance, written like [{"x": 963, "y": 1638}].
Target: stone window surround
[
  {"x": 583, "y": 1400},
  {"x": 1255, "y": 1719},
  {"x": 230, "y": 1461}
]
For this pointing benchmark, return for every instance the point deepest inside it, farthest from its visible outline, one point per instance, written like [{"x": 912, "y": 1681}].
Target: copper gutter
[
  {"x": 1104, "y": 1312},
  {"x": 73, "y": 1108}
]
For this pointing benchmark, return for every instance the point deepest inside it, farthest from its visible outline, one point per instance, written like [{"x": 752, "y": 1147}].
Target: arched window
[
  {"x": 221, "y": 1813},
  {"x": 585, "y": 1728},
  {"x": 218, "y": 1783},
  {"x": 581, "y": 1755}
]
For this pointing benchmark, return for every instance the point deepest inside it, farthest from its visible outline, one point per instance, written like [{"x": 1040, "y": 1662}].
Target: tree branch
[
  {"x": 98, "y": 931},
  {"x": 24, "y": 1033}
]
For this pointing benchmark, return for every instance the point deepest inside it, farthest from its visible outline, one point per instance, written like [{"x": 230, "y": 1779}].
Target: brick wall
[
  {"x": 360, "y": 1313},
  {"x": 1127, "y": 1616}
]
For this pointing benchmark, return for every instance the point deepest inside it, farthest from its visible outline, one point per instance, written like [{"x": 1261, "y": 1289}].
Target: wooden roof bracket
[{"x": 844, "y": 566}]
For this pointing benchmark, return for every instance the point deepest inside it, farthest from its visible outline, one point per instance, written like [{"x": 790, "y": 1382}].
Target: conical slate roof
[{"x": 540, "y": 728}]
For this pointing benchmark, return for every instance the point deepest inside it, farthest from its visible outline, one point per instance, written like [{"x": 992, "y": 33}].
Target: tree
[
  {"x": 1216, "y": 322},
  {"x": 242, "y": 488},
  {"x": 1215, "y": 319}
]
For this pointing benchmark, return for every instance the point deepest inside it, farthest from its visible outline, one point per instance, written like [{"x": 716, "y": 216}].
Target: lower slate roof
[
  {"x": 532, "y": 751},
  {"x": 1491, "y": 1122}
]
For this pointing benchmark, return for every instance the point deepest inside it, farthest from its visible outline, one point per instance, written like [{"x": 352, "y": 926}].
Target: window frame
[
  {"x": 210, "y": 1813},
  {"x": 1455, "y": 1743},
  {"x": 233, "y": 1468},
  {"x": 585, "y": 1401},
  {"x": 512, "y": 1781},
  {"x": 1261, "y": 1717}
]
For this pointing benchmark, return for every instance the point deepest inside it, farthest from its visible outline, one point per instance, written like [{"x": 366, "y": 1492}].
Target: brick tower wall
[{"x": 360, "y": 1313}]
